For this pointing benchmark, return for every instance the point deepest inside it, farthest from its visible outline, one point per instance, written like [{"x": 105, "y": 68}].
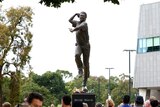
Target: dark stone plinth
[{"x": 88, "y": 98}]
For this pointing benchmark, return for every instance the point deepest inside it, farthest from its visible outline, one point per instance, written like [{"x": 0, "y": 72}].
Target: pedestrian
[
  {"x": 6, "y": 104},
  {"x": 35, "y": 99},
  {"x": 125, "y": 101},
  {"x": 139, "y": 101},
  {"x": 66, "y": 101},
  {"x": 109, "y": 103}
]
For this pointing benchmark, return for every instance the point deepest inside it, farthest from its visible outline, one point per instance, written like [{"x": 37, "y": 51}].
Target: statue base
[{"x": 88, "y": 98}]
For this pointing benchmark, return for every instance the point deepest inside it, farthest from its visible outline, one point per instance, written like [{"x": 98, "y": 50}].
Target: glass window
[
  {"x": 156, "y": 41},
  {"x": 140, "y": 45},
  {"x": 144, "y": 45},
  {"x": 156, "y": 44},
  {"x": 149, "y": 42}
]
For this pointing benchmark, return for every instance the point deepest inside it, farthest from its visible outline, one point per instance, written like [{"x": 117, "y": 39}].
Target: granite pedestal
[{"x": 88, "y": 98}]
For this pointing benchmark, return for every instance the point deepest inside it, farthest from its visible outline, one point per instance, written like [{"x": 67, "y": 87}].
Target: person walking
[
  {"x": 35, "y": 99},
  {"x": 125, "y": 101},
  {"x": 139, "y": 101},
  {"x": 66, "y": 101},
  {"x": 109, "y": 103}
]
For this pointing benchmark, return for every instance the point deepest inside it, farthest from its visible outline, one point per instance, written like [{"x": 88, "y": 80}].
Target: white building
[{"x": 147, "y": 65}]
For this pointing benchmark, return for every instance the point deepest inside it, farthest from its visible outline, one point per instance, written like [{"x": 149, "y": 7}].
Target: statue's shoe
[{"x": 84, "y": 89}]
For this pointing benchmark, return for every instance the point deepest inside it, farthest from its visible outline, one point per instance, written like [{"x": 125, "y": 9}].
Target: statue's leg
[
  {"x": 78, "y": 61},
  {"x": 84, "y": 84},
  {"x": 86, "y": 54},
  {"x": 84, "y": 81}
]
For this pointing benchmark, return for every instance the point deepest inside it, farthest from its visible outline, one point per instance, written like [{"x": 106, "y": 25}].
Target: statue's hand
[
  {"x": 70, "y": 29},
  {"x": 77, "y": 14}
]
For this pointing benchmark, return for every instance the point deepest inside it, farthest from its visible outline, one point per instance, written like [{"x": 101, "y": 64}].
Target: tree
[
  {"x": 6, "y": 90},
  {"x": 53, "y": 82},
  {"x": 57, "y": 3},
  {"x": 15, "y": 42},
  {"x": 99, "y": 86},
  {"x": 74, "y": 84},
  {"x": 64, "y": 74},
  {"x": 122, "y": 89},
  {"x": 30, "y": 86},
  {"x": 96, "y": 85},
  {"x": 119, "y": 91},
  {"x": 14, "y": 85}
]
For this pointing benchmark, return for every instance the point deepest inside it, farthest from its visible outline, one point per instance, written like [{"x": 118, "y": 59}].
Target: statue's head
[{"x": 82, "y": 16}]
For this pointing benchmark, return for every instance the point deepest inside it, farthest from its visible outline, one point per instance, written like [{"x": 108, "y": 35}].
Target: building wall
[
  {"x": 147, "y": 65},
  {"x": 147, "y": 70},
  {"x": 149, "y": 20},
  {"x": 142, "y": 92},
  {"x": 155, "y": 93}
]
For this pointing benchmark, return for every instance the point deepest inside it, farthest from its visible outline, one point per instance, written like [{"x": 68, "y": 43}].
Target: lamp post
[
  {"x": 109, "y": 93},
  {"x": 129, "y": 87}
]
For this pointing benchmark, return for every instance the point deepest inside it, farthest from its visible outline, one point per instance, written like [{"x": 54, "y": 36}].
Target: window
[
  {"x": 156, "y": 45},
  {"x": 156, "y": 41},
  {"x": 144, "y": 45},
  {"x": 148, "y": 44},
  {"x": 140, "y": 46}
]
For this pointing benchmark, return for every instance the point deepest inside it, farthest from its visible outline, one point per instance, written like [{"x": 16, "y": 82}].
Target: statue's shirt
[{"x": 82, "y": 36}]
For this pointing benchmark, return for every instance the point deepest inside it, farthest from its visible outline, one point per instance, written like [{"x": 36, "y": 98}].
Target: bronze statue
[{"x": 82, "y": 45}]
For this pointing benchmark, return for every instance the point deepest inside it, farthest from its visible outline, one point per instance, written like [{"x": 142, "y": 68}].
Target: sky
[{"x": 112, "y": 29}]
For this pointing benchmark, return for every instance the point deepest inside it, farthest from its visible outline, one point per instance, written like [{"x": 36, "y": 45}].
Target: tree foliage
[
  {"x": 48, "y": 85},
  {"x": 122, "y": 89},
  {"x": 99, "y": 86},
  {"x": 57, "y": 3},
  {"x": 29, "y": 86},
  {"x": 53, "y": 82},
  {"x": 6, "y": 88},
  {"x": 15, "y": 85},
  {"x": 64, "y": 74},
  {"x": 15, "y": 41}
]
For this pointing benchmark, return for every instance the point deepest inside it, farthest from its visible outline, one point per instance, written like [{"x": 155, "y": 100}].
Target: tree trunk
[
  {"x": 1, "y": 83},
  {"x": 15, "y": 88}
]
